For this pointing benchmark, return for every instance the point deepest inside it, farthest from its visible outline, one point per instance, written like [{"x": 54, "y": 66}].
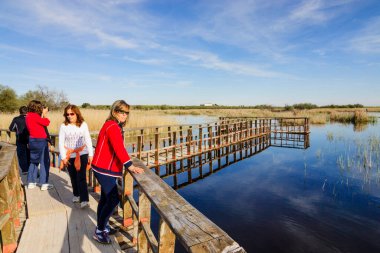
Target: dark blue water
[{"x": 322, "y": 199}]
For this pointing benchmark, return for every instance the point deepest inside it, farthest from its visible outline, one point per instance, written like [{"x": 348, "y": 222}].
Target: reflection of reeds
[{"x": 360, "y": 160}]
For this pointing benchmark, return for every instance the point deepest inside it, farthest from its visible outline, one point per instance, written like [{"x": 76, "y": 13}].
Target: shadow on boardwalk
[{"x": 55, "y": 224}]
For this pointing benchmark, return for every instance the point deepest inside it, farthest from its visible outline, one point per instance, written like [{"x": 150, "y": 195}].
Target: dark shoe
[
  {"x": 110, "y": 230},
  {"x": 101, "y": 237}
]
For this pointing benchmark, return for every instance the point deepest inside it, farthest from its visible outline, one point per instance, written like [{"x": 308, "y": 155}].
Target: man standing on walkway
[{"x": 22, "y": 139}]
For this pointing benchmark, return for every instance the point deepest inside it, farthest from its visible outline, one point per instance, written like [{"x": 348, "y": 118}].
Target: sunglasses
[
  {"x": 70, "y": 114},
  {"x": 122, "y": 112}
]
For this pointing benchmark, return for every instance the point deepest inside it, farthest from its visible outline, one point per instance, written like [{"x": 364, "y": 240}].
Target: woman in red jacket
[
  {"x": 36, "y": 123},
  {"x": 109, "y": 159}
]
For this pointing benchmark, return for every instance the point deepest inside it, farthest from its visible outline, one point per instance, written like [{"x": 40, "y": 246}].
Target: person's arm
[
  {"x": 116, "y": 140},
  {"x": 88, "y": 141},
  {"x": 61, "y": 143},
  {"x": 13, "y": 126}
]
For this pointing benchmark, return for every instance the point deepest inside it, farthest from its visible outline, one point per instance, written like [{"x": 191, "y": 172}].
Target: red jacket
[
  {"x": 110, "y": 154},
  {"x": 36, "y": 125}
]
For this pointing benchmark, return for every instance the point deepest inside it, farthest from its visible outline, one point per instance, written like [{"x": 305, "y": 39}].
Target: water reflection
[{"x": 292, "y": 200}]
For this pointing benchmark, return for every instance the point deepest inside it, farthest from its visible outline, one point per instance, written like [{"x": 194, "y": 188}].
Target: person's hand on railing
[{"x": 135, "y": 169}]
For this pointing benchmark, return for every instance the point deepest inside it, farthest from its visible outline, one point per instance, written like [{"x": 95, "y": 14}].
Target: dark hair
[
  {"x": 118, "y": 105},
  {"x": 35, "y": 106},
  {"x": 23, "y": 110},
  {"x": 76, "y": 110}
]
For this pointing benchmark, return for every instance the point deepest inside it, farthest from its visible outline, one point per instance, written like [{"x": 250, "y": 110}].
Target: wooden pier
[{"x": 55, "y": 223}]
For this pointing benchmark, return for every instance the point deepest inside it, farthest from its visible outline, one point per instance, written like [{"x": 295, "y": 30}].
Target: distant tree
[
  {"x": 8, "y": 99},
  {"x": 51, "y": 98},
  {"x": 304, "y": 106},
  {"x": 288, "y": 108},
  {"x": 86, "y": 105}
]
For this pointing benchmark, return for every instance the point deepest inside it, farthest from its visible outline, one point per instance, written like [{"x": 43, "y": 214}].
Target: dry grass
[{"x": 96, "y": 118}]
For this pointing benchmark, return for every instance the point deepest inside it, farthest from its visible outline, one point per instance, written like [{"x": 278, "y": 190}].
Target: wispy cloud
[
  {"x": 145, "y": 61},
  {"x": 17, "y": 49},
  {"x": 212, "y": 61},
  {"x": 367, "y": 40}
]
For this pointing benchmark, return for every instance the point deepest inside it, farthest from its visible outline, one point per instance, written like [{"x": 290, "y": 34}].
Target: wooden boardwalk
[{"x": 55, "y": 224}]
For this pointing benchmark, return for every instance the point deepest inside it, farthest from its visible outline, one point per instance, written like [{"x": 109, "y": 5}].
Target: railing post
[
  {"x": 127, "y": 208},
  {"x": 166, "y": 238},
  {"x": 139, "y": 146},
  {"x": 144, "y": 219}
]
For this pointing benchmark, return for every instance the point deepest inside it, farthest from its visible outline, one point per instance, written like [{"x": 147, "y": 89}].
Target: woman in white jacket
[{"x": 75, "y": 148}]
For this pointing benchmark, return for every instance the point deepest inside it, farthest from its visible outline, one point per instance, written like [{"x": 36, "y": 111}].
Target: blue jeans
[
  {"x": 109, "y": 199},
  {"x": 39, "y": 155},
  {"x": 23, "y": 156}
]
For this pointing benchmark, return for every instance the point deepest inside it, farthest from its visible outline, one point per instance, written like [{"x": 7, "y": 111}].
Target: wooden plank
[
  {"x": 47, "y": 233},
  {"x": 43, "y": 202},
  {"x": 81, "y": 223}
]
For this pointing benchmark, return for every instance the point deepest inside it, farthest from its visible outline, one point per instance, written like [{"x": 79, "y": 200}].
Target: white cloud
[
  {"x": 145, "y": 61},
  {"x": 212, "y": 61}
]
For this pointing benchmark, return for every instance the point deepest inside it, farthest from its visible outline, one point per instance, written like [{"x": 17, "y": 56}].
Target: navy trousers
[
  {"x": 39, "y": 155},
  {"x": 23, "y": 156},
  {"x": 78, "y": 178},
  {"x": 109, "y": 199}
]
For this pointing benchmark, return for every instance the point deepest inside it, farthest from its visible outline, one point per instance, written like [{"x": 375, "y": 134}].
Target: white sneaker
[
  {"x": 84, "y": 204},
  {"x": 32, "y": 185},
  {"x": 76, "y": 199},
  {"x": 45, "y": 187}
]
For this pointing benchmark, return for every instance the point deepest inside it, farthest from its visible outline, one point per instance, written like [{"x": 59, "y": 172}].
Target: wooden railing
[
  {"x": 11, "y": 197},
  {"x": 178, "y": 219}
]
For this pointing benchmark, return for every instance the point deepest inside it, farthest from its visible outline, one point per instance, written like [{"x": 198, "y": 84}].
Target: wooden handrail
[{"x": 194, "y": 230}]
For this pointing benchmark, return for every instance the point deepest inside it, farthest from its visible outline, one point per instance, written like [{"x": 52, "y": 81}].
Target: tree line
[{"x": 10, "y": 101}]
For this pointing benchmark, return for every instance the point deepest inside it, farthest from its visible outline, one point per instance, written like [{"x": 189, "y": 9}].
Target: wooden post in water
[
  {"x": 189, "y": 160},
  {"x": 210, "y": 146},
  {"x": 219, "y": 133},
  {"x": 200, "y": 160},
  {"x": 255, "y": 136},
  {"x": 240, "y": 140},
  {"x": 156, "y": 152},
  {"x": 174, "y": 156},
  {"x": 139, "y": 145},
  {"x": 234, "y": 141}
]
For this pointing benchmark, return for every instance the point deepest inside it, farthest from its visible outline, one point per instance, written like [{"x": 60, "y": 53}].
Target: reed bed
[
  {"x": 96, "y": 118},
  {"x": 143, "y": 118}
]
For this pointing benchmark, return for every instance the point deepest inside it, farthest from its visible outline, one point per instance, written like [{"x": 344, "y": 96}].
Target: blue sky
[{"x": 181, "y": 52}]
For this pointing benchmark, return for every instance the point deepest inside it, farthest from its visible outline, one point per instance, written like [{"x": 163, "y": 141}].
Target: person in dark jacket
[
  {"x": 107, "y": 164},
  {"x": 18, "y": 125}
]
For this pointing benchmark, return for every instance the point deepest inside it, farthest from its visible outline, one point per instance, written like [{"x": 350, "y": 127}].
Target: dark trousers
[
  {"x": 78, "y": 178},
  {"x": 39, "y": 155},
  {"x": 23, "y": 156},
  {"x": 109, "y": 199}
]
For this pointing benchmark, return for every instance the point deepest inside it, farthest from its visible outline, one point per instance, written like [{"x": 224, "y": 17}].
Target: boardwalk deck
[{"x": 55, "y": 224}]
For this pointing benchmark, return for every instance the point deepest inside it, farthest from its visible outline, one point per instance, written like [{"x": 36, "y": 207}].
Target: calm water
[{"x": 323, "y": 199}]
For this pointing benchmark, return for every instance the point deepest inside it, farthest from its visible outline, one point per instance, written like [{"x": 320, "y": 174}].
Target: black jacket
[{"x": 18, "y": 125}]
